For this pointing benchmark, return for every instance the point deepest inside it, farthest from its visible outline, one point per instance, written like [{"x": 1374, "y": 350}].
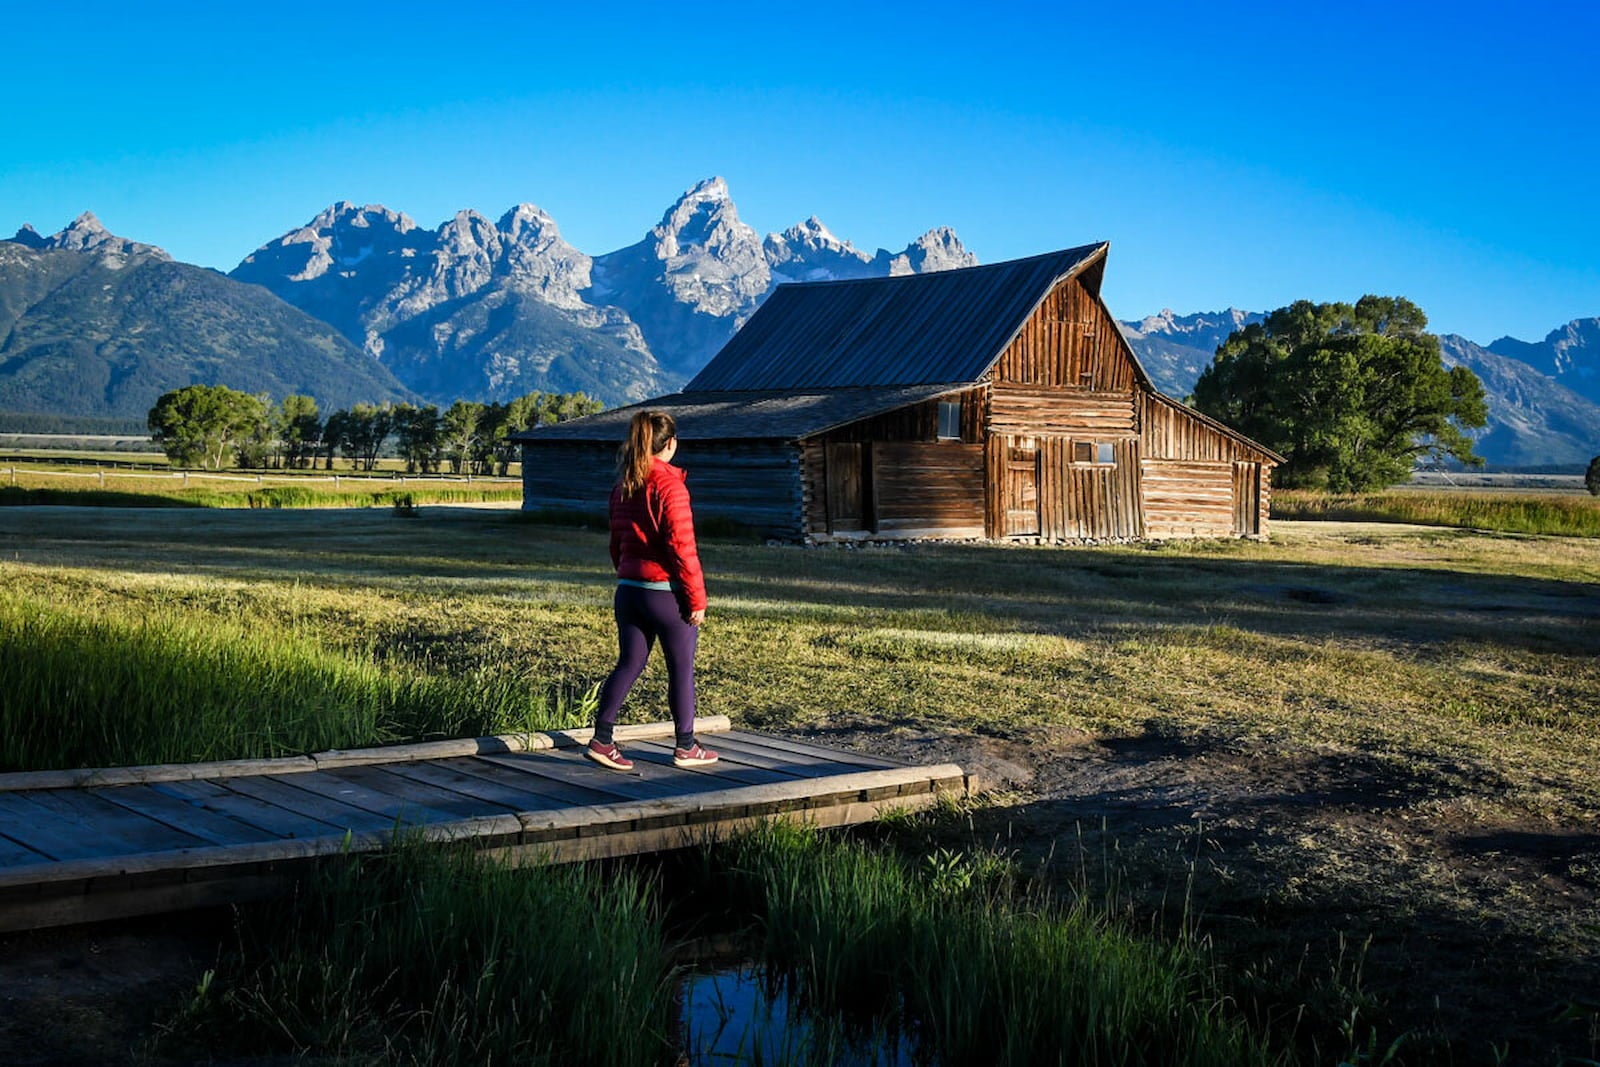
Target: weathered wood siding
[
  {"x": 1188, "y": 498},
  {"x": 568, "y": 476},
  {"x": 756, "y": 483},
  {"x": 892, "y": 476},
  {"x": 922, "y": 489},
  {"x": 1069, "y": 341},
  {"x": 1067, "y": 379}
]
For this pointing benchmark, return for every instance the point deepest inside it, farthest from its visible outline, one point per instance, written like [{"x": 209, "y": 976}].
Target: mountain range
[
  {"x": 363, "y": 304},
  {"x": 96, "y": 325}
]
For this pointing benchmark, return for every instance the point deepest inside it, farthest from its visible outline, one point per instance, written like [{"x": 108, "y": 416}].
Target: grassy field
[
  {"x": 1500, "y": 510},
  {"x": 75, "y": 486},
  {"x": 1334, "y": 749}
]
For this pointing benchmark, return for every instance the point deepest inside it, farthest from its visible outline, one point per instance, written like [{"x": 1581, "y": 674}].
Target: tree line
[{"x": 213, "y": 426}]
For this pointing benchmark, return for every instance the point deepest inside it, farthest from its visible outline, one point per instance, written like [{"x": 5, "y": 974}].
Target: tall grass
[
  {"x": 153, "y": 686},
  {"x": 1528, "y": 513},
  {"x": 440, "y": 957},
  {"x": 982, "y": 975}
]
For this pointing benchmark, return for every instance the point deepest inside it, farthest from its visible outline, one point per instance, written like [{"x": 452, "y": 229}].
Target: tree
[
  {"x": 335, "y": 435},
  {"x": 1351, "y": 396},
  {"x": 1591, "y": 477},
  {"x": 366, "y": 428},
  {"x": 417, "y": 435},
  {"x": 201, "y": 425},
  {"x": 299, "y": 429},
  {"x": 459, "y": 434}
]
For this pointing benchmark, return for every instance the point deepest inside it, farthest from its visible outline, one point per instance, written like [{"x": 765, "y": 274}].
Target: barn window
[
  {"x": 949, "y": 420},
  {"x": 1094, "y": 453}
]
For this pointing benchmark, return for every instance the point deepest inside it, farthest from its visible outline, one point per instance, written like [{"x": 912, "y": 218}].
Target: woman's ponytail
[{"x": 648, "y": 433}]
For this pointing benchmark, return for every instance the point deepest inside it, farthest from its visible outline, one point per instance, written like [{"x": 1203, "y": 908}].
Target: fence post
[
  {"x": 336, "y": 481},
  {"x": 101, "y": 472}
]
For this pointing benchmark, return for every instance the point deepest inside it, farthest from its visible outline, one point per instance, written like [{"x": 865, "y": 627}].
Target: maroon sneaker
[
  {"x": 696, "y": 755},
  {"x": 609, "y": 756}
]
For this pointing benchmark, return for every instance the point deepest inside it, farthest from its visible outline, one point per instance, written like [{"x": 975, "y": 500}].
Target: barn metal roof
[
  {"x": 774, "y": 414},
  {"x": 916, "y": 329}
]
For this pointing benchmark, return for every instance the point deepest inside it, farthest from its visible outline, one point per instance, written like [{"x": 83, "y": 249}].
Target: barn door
[
  {"x": 1020, "y": 492},
  {"x": 1246, "y": 499},
  {"x": 846, "y": 512}
]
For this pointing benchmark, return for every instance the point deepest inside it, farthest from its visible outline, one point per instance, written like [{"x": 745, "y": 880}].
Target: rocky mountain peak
[
  {"x": 809, "y": 252},
  {"x": 29, "y": 237},
  {"x": 708, "y": 257},
  {"x": 938, "y": 249},
  {"x": 539, "y": 261},
  {"x": 1570, "y": 354},
  {"x": 87, "y": 234}
]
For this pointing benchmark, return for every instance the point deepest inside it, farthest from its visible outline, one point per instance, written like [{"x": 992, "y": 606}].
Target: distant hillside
[
  {"x": 104, "y": 332},
  {"x": 1534, "y": 419},
  {"x": 1569, "y": 354}
]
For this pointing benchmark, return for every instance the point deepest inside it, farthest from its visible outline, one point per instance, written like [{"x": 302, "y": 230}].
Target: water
[{"x": 740, "y": 1015}]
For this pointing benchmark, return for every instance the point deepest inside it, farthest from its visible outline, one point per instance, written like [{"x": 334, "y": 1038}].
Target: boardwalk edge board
[
  {"x": 321, "y": 761},
  {"x": 527, "y": 828}
]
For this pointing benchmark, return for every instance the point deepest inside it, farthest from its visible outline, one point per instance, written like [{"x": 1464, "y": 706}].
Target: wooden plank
[
  {"x": 483, "y": 784},
  {"x": 49, "y": 911},
  {"x": 397, "y": 809},
  {"x": 214, "y": 828},
  {"x": 805, "y": 748},
  {"x": 312, "y": 805},
  {"x": 106, "y": 776},
  {"x": 68, "y": 825},
  {"x": 264, "y": 815},
  {"x": 732, "y": 767},
  {"x": 409, "y": 790},
  {"x": 521, "y": 775},
  {"x": 16, "y": 854},
  {"x": 644, "y": 781}
]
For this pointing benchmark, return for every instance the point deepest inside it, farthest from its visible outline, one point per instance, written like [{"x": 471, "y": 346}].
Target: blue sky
[{"x": 1234, "y": 154}]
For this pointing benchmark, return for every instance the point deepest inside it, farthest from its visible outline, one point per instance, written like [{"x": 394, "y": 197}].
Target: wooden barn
[{"x": 989, "y": 402}]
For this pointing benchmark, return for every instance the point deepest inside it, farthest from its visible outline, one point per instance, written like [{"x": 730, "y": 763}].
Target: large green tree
[
  {"x": 203, "y": 425},
  {"x": 1352, "y": 396}
]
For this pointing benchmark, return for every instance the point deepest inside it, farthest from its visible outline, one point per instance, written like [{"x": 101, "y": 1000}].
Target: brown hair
[{"x": 648, "y": 433}]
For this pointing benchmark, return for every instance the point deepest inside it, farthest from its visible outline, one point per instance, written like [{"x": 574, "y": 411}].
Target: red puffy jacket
[{"x": 652, "y": 534}]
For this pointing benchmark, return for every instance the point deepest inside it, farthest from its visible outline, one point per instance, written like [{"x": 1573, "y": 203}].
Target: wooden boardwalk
[{"x": 86, "y": 845}]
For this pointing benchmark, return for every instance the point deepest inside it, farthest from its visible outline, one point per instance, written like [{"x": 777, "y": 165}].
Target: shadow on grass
[{"x": 999, "y": 589}]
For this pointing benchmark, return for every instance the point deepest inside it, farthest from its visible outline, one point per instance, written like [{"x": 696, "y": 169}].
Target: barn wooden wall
[
  {"x": 756, "y": 483},
  {"x": 1199, "y": 481},
  {"x": 910, "y": 483},
  {"x": 1066, "y": 378}
]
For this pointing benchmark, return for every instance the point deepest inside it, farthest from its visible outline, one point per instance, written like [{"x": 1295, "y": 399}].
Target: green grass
[
  {"x": 167, "y": 493},
  {"x": 1558, "y": 514},
  {"x": 982, "y": 970},
  {"x": 135, "y": 685},
  {"x": 445, "y": 957},
  {"x": 440, "y": 957}
]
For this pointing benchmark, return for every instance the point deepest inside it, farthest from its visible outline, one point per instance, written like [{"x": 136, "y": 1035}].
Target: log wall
[
  {"x": 1188, "y": 498},
  {"x": 755, "y": 483}
]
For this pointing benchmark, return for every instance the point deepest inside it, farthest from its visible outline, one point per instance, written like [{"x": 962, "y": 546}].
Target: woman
[{"x": 661, "y": 592}]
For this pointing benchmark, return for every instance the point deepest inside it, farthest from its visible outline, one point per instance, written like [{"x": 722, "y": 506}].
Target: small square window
[
  {"x": 1104, "y": 453},
  {"x": 949, "y": 420},
  {"x": 1082, "y": 452}
]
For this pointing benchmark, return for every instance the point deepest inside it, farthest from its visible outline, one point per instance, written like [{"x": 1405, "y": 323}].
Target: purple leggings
[{"x": 642, "y": 616}]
